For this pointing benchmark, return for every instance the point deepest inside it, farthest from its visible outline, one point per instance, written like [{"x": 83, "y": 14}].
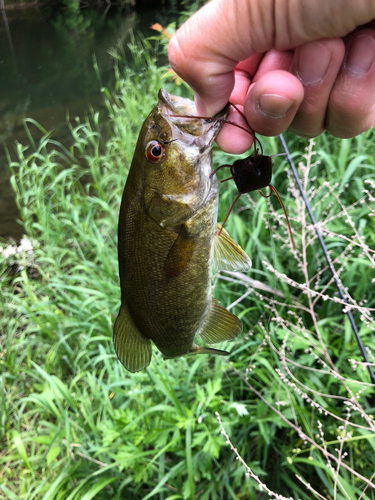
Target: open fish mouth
[
  {"x": 181, "y": 112},
  {"x": 177, "y": 105}
]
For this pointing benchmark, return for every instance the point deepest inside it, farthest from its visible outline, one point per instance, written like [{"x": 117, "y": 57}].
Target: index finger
[{"x": 205, "y": 51}]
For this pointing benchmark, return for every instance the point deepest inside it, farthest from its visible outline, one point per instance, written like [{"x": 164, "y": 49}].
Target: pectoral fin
[
  {"x": 228, "y": 255},
  {"x": 179, "y": 255},
  {"x": 132, "y": 348},
  {"x": 220, "y": 325}
]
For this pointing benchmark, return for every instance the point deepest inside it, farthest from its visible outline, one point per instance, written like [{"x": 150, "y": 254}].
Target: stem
[{"x": 329, "y": 261}]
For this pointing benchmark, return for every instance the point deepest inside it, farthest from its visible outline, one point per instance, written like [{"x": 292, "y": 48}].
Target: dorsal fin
[
  {"x": 228, "y": 255},
  {"x": 220, "y": 325},
  {"x": 132, "y": 348}
]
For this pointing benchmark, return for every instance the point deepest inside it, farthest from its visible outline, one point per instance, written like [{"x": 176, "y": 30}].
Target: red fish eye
[{"x": 154, "y": 151}]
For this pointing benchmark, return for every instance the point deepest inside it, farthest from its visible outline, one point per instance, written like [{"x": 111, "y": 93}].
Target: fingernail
[
  {"x": 274, "y": 105},
  {"x": 313, "y": 63},
  {"x": 361, "y": 55}
]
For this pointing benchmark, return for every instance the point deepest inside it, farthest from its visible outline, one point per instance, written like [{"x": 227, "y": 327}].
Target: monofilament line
[{"x": 328, "y": 259}]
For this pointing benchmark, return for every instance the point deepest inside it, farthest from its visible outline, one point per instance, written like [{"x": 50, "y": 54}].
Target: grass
[{"x": 290, "y": 415}]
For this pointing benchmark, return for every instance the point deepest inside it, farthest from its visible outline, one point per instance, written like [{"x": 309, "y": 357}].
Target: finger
[
  {"x": 351, "y": 107},
  {"x": 236, "y": 141},
  {"x": 273, "y": 101},
  {"x": 317, "y": 65},
  {"x": 232, "y": 139},
  {"x": 253, "y": 68},
  {"x": 206, "y": 49},
  {"x": 273, "y": 60},
  {"x": 243, "y": 75}
]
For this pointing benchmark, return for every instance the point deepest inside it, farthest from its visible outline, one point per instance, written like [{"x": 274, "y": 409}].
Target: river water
[{"x": 46, "y": 70}]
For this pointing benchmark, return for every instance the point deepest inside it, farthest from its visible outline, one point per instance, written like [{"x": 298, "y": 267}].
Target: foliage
[{"x": 287, "y": 413}]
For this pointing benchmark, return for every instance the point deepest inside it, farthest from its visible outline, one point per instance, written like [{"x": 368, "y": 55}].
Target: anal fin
[
  {"x": 133, "y": 349},
  {"x": 220, "y": 325},
  {"x": 228, "y": 255}
]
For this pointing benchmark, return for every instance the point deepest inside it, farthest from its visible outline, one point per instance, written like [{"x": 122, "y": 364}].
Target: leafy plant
[{"x": 290, "y": 415}]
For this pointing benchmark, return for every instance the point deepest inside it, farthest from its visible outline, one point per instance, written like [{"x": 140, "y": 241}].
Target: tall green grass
[{"x": 290, "y": 415}]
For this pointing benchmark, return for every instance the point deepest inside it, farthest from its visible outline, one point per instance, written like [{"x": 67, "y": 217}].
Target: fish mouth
[
  {"x": 177, "y": 105},
  {"x": 182, "y": 112}
]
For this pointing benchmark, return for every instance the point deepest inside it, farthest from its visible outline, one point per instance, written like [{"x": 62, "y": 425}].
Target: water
[{"x": 46, "y": 69}]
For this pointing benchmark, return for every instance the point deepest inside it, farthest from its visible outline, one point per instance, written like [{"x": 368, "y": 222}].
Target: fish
[{"x": 168, "y": 240}]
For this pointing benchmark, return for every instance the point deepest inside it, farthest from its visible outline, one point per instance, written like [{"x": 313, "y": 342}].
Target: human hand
[{"x": 303, "y": 65}]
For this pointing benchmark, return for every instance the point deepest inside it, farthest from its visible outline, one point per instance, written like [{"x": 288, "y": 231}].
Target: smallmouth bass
[{"x": 168, "y": 240}]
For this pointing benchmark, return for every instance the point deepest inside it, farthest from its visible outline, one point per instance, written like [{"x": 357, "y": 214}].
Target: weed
[{"x": 294, "y": 402}]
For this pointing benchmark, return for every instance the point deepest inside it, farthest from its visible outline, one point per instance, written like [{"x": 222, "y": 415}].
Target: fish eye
[{"x": 154, "y": 151}]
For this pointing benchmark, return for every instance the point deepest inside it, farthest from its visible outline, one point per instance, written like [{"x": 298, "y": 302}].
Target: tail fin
[{"x": 133, "y": 349}]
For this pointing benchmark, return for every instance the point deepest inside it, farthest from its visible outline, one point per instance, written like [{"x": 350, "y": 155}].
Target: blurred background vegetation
[
  {"x": 290, "y": 414},
  {"x": 49, "y": 55}
]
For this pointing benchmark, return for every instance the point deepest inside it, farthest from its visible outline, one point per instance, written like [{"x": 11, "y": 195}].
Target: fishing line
[{"x": 328, "y": 259}]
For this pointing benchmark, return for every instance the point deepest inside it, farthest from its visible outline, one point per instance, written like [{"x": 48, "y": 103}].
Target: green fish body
[{"x": 167, "y": 238}]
